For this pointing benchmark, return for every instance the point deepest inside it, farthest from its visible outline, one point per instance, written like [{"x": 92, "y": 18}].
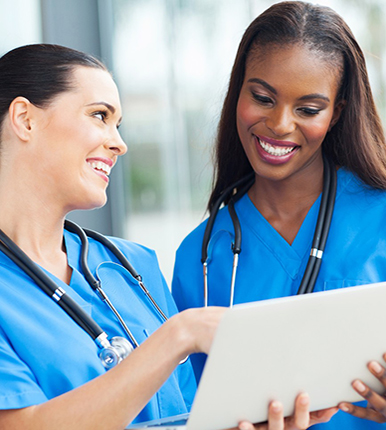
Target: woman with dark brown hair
[
  {"x": 299, "y": 115},
  {"x": 82, "y": 343}
]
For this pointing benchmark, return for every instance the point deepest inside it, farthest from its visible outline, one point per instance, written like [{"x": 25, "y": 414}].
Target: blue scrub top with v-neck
[
  {"x": 44, "y": 353},
  {"x": 355, "y": 254}
]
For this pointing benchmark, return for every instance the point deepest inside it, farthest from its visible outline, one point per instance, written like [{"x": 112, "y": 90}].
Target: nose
[
  {"x": 116, "y": 143},
  {"x": 280, "y": 121}
]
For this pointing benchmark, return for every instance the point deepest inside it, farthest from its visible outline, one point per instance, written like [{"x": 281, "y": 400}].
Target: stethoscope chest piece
[{"x": 118, "y": 349}]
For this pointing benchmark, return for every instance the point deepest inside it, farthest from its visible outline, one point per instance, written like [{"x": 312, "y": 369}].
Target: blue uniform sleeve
[
  {"x": 177, "y": 286},
  {"x": 19, "y": 387},
  {"x": 187, "y": 285}
]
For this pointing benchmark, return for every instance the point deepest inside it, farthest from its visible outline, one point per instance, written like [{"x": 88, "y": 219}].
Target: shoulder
[
  {"x": 193, "y": 240},
  {"x": 126, "y": 247},
  {"x": 132, "y": 248},
  {"x": 141, "y": 258},
  {"x": 359, "y": 213},
  {"x": 354, "y": 192}
]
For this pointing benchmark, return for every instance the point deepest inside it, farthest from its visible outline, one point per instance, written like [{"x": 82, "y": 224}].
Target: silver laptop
[{"x": 274, "y": 349}]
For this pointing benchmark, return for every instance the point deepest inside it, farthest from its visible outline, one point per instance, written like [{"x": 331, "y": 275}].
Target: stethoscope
[
  {"x": 236, "y": 191},
  {"x": 114, "y": 350}
]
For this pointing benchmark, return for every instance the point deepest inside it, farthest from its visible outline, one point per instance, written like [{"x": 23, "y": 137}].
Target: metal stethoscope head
[{"x": 235, "y": 192}]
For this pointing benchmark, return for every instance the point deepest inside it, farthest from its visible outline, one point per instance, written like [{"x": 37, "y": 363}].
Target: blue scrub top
[
  {"x": 44, "y": 353},
  {"x": 355, "y": 254}
]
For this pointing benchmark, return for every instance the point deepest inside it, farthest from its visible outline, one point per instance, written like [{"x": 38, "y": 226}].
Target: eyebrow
[
  {"x": 315, "y": 96},
  {"x": 263, "y": 83},
  {"x": 272, "y": 89},
  {"x": 107, "y": 105}
]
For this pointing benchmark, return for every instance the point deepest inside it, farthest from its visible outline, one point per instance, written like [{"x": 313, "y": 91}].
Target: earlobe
[
  {"x": 337, "y": 112},
  {"x": 20, "y": 118}
]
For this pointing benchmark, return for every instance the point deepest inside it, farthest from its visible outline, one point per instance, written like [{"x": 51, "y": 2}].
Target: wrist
[{"x": 182, "y": 330}]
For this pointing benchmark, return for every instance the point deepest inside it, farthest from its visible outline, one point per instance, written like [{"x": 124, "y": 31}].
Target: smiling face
[
  {"x": 287, "y": 104},
  {"x": 76, "y": 140}
]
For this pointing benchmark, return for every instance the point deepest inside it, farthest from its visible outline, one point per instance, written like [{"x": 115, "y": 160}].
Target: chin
[
  {"x": 98, "y": 205},
  {"x": 91, "y": 204}
]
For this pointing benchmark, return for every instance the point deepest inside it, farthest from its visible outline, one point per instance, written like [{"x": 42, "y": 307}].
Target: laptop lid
[{"x": 274, "y": 349}]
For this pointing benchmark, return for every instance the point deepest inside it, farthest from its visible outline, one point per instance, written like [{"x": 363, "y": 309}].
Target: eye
[
  {"x": 264, "y": 100},
  {"x": 101, "y": 115},
  {"x": 309, "y": 111}
]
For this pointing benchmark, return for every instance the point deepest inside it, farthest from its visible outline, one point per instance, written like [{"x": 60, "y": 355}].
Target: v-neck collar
[{"x": 289, "y": 256}]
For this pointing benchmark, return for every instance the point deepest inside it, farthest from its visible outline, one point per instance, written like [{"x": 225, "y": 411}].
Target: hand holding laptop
[
  {"x": 376, "y": 408},
  {"x": 301, "y": 419}
]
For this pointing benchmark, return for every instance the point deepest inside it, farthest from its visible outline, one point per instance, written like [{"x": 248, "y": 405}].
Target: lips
[
  {"x": 100, "y": 166},
  {"x": 273, "y": 151},
  {"x": 278, "y": 151}
]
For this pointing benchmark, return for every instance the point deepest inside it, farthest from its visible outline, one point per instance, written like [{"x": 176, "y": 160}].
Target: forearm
[{"x": 114, "y": 399}]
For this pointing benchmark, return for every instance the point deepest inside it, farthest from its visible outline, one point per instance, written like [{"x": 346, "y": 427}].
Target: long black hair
[{"x": 356, "y": 141}]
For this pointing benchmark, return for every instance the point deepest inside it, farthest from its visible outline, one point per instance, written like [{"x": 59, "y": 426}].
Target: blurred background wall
[{"x": 171, "y": 60}]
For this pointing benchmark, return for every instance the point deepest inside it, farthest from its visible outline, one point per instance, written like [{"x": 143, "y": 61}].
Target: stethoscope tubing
[
  {"x": 110, "y": 353},
  {"x": 58, "y": 294},
  {"x": 245, "y": 182},
  {"x": 321, "y": 230},
  {"x": 121, "y": 258},
  {"x": 96, "y": 283},
  {"x": 47, "y": 285},
  {"x": 212, "y": 217},
  {"x": 326, "y": 229},
  {"x": 319, "y": 239}
]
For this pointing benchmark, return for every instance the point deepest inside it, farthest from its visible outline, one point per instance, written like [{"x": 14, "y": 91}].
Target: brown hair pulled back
[{"x": 39, "y": 72}]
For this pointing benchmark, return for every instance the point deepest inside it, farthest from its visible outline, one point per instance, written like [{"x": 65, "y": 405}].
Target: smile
[
  {"x": 100, "y": 166},
  {"x": 277, "y": 151}
]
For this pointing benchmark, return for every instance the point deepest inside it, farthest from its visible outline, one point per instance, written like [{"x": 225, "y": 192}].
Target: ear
[
  {"x": 20, "y": 117},
  {"x": 336, "y": 115}
]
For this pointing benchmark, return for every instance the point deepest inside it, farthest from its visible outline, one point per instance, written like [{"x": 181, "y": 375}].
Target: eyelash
[
  {"x": 262, "y": 99},
  {"x": 265, "y": 101},
  {"x": 310, "y": 112},
  {"x": 103, "y": 113}
]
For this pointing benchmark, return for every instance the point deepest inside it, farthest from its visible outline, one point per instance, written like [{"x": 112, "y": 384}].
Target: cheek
[
  {"x": 247, "y": 114},
  {"x": 79, "y": 138},
  {"x": 65, "y": 133},
  {"x": 317, "y": 131}
]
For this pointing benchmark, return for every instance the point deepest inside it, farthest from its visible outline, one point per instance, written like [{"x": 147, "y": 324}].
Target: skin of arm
[{"x": 113, "y": 400}]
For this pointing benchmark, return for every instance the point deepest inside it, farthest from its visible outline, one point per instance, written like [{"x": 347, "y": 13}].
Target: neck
[
  {"x": 285, "y": 204},
  {"x": 35, "y": 225}
]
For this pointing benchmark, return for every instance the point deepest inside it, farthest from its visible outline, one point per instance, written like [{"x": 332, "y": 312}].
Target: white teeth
[
  {"x": 100, "y": 165},
  {"x": 277, "y": 151}
]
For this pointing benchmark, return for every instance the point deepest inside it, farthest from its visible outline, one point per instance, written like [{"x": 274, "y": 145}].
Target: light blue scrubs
[
  {"x": 355, "y": 254},
  {"x": 44, "y": 353}
]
